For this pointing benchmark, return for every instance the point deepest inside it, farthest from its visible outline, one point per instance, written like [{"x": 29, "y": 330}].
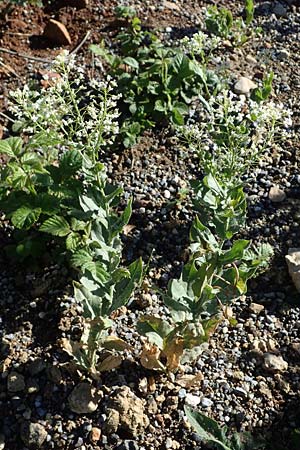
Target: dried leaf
[
  {"x": 109, "y": 363},
  {"x": 173, "y": 353},
  {"x": 70, "y": 347},
  {"x": 189, "y": 381},
  {"x": 152, "y": 384},
  {"x": 115, "y": 343},
  {"x": 128, "y": 229},
  {"x": 150, "y": 357}
]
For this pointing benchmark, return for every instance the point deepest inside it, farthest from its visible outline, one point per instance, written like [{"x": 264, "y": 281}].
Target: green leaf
[
  {"x": 177, "y": 117},
  {"x": 235, "y": 253},
  {"x": 160, "y": 106},
  {"x": 197, "y": 69},
  {"x": 25, "y": 217},
  {"x": 125, "y": 287},
  {"x": 249, "y": 9},
  {"x": 70, "y": 162},
  {"x": 129, "y": 61},
  {"x": 73, "y": 241},
  {"x": 56, "y": 225},
  {"x": 5, "y": 148},
  {"x": 180, "y": 64},
  {"x": 11, "y": 146},
  {"x": 118, "y": 224},
  {"x": 155, "y": 329},
  {"x": 207, "y": 428}
]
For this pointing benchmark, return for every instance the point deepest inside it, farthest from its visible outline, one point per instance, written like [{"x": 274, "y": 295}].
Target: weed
[
  {"x": 157, "y": 82},
  {"x": 53, "y": 183}
]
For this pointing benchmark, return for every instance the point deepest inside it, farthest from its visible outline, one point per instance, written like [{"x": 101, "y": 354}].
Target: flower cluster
[
  {"x": 200, "y": 43},
  {"x": 234, "y": 131},
  {"x": 81, "y": 112}
]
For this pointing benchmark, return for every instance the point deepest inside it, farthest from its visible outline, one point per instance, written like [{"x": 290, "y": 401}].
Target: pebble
[
  {"x": 279, "y": 10},
  {"x": 244, "y": 86},
  {"x": 192, "y": 400},
  {"x": 84, "y": 399},
  {"x": 206, "y": 402},
  {"x": 273, "y": 363},
  {"x": 167, "y": 194},
  {"x": 33, "y": 434},
  {"x": 283, "y": 55},
  {"x": 240, "y": 392},
  {"x": 250, "y": 59},
  {"x": 15, "y": 382},
  {"x": 276, "y": 195}
]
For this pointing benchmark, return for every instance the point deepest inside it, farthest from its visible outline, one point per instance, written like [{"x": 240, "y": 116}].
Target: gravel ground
[{"x": 248, "y": 374}]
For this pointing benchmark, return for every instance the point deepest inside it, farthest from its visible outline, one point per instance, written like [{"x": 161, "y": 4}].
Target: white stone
[
  {"x": 276, "y": 194},
  {"x": 167, "y": 194},
  {"x": 244, "y": 86},
  {"x": 250, "y": 59},
  {"x": 256, "y": 308},
  {"x": 192, "y": 400},
  {"x": 293, "y": 262},
  {"x": 273, "y": 363}
]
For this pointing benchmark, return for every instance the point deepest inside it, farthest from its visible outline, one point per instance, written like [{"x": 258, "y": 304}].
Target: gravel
[{"x": 250, "y": 370}]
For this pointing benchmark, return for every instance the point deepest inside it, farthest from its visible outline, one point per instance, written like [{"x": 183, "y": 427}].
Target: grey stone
[
  {"x": 36, "y": 366},
  {"x": 240, "y": 392},
  {"x": 33, "y": 434},
  {"x": 15, "y": 382},
  {"x": 279, "y": 10},
  {"x": 84, "y": 399},
  {"x": 283, "y": 55},
  {"x": 206, "y": 402},
  {"x": 293, "y": 263}
]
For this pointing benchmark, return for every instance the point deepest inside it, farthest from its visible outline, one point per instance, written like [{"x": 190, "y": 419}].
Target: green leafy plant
[
  {"x": 157, "y": 82},
  {"x": 215, "y": 275},
  {"x": 219, "y": 21},
  {"x": 54, "y": 184},
  {"x": 260, "y": 94},
  {"x": 210, "y": 432},
  {"x": 249, "y": 11}
]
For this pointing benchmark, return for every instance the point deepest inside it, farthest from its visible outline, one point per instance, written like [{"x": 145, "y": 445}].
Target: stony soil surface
[{"x": 248, "y": 376}]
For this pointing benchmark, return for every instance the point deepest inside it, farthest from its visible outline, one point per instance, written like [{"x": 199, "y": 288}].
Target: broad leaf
[
  {"x": 25, "y": 217},
  {"x": 56, "y": 225},
  {"x": 207, "y": 428}
]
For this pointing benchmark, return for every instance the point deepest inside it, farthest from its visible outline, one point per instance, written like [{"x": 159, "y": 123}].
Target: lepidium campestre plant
[
  {"x": 234, "y": 132},
  {"x": 216, "y": 274},
  {"x": 54, "y": 185}
]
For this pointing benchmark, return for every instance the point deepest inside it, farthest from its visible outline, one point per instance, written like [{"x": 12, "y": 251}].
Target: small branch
[
  {"x": 23, "y": 55},
  {"x": 6, "y": 117},
  {"x": 9, "y": 69},
  {"x": 81, "y": 43}
]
